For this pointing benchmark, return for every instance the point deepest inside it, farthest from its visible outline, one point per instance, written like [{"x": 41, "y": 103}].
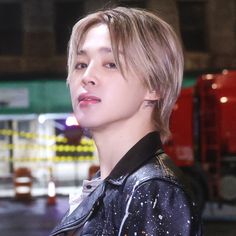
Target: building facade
[{"x": 34, "y": 34}]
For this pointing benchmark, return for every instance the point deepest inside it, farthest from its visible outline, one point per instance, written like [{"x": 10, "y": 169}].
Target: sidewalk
[{"x": 35, "y": 218}]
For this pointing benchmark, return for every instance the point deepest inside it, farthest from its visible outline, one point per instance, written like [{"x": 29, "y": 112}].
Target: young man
[{"x": 125, "y": 73}]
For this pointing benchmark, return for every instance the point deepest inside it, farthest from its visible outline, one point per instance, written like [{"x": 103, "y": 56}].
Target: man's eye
[
  {"x": 111, "y": 65},
  {"x": 80, "y": 65}
]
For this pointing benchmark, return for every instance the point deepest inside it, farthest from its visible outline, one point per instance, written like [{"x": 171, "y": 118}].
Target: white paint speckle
[{"x": 154, "y": 204}]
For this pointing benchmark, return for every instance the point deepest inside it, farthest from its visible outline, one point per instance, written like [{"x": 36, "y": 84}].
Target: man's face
[{"x": 101, "y": 96}]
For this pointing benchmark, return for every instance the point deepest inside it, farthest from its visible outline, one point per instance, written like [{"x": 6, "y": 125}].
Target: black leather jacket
[{"x": 145, "y": 194}]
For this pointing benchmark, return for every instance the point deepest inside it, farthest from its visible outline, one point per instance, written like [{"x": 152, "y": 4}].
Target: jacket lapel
[{"x": 82, "y": 213}]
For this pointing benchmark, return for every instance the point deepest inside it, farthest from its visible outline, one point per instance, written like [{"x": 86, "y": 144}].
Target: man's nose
[{"x": 89, "y": 77}]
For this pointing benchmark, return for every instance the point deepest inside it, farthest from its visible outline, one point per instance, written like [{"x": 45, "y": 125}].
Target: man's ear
[{"x": 151, "y": 96}]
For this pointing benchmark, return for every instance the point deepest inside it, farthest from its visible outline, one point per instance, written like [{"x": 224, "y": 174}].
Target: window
[
  {"x": 10, "y": 29},
  {"x": 135, "y": 3},
  {"x": 24, "y": 126},
  {"x": 192, "y": 25},
  {"x": 67, "y": 13}
]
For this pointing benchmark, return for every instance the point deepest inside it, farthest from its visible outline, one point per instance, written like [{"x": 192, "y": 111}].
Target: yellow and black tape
[
  {"x": 56, "y": 148},
  {"x": 46, "y": 159},
  {"x": 30, "y": 135}
]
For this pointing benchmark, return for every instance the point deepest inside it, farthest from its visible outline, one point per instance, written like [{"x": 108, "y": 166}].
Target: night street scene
[{"x": 45, "y": 154}]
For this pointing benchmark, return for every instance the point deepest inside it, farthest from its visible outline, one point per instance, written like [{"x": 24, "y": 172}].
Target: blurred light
[
  {"x": 41, "y": 119},
  {"x": 209, "y": 76},
  {"x": 224, "y": 72},
  {"x": 214, "y": 86},
  {"x": 71, "y": 121},
  {"x": 51, "y": 189},
  {"x": 223, "y": 99},
  {"x": 51, "y": 116}
]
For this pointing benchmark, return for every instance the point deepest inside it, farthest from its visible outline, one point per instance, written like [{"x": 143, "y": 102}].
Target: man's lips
[{"x": 85, "y": 99}]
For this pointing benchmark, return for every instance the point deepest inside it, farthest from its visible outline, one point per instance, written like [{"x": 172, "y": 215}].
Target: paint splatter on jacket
[{"x": 145, "y": 194}]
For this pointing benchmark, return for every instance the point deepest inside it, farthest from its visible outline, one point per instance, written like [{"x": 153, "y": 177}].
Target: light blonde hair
[{"x": 150, "y": 49}]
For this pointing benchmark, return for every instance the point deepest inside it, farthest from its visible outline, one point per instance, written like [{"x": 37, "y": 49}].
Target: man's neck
[{"x": 113, "y": 144}]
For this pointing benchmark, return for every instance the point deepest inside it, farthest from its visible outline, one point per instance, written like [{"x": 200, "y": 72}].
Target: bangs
[{"x": 143, "y": 45}]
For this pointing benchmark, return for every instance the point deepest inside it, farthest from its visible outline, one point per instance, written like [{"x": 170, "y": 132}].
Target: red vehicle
[{"x": 203, "y": 144}]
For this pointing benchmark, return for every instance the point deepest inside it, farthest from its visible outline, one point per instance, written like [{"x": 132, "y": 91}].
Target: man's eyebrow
[
  {"x": 105, "y": 49},
  {"x": 102, "y": 50},
  {"x": 109, "y": 50}
]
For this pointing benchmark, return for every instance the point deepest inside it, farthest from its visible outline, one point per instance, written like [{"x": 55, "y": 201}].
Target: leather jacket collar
[{"x": 139, "y": 154}]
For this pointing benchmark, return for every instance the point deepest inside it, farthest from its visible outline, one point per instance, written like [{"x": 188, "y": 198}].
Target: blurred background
[{"x": 45, "y": 155}]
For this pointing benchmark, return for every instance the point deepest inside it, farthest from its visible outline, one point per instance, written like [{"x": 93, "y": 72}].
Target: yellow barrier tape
[
  {"x": 28, "y": 135},
  {"x": 56, "y": 148},
  {"x": 54, "y": 159}
]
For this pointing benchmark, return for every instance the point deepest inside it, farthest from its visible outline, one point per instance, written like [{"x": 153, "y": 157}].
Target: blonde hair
[{"x": 150, "y": 49}]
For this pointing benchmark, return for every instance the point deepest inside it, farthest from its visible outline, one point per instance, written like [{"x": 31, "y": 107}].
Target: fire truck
[{"x": 203, "y": 142}]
